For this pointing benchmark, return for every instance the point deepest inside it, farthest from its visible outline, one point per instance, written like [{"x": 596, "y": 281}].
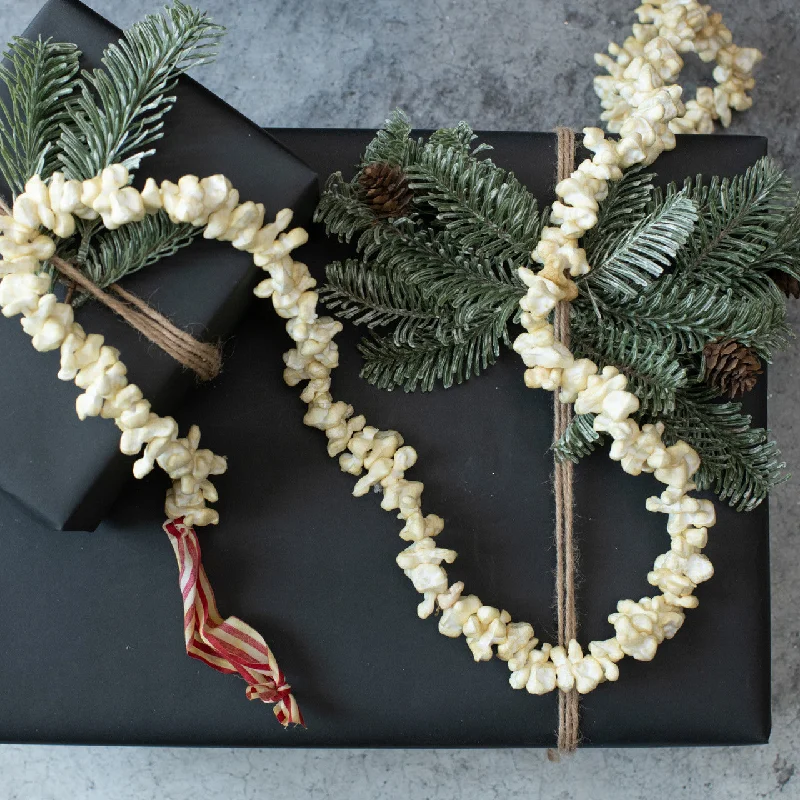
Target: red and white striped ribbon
[{"x": 228, "y": 645}]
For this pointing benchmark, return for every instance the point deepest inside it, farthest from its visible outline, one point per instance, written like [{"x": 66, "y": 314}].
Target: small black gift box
[
  {"x": 69, "y": 472},
  {"x": 91, "y": 630}
]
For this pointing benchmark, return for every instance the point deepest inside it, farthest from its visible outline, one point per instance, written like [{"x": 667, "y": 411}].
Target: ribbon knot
[{"x": 227, "y": 645}]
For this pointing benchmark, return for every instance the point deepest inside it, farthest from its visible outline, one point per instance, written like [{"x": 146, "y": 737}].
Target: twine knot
[{"x": 204, "y": 359}]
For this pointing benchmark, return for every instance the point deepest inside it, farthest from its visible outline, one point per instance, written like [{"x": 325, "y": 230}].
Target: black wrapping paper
[
  {"x": 91, "y": 629},
  {"x": 69, "y": 472}
]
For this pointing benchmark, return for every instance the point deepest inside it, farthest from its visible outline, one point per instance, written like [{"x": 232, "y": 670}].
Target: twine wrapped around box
[
  {"x": 568, "y": 718},
  {"x": 204, "y": 359}
]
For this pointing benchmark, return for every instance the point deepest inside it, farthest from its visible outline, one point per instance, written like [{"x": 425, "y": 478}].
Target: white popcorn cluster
[
  {"x": 642, "y": 626},
  {"x": 94, "y": 366},
  {"x": 648, "y": 63}
]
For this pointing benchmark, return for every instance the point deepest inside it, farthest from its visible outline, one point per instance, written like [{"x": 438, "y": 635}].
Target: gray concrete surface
[{"x": 501, "y": 64}]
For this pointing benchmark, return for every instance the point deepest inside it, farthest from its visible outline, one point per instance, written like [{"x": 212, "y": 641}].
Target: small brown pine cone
[
  {"x": 387, "y": 190},
  {"x": 788, "y": 284},
  {"x": 731, "y": 367}
]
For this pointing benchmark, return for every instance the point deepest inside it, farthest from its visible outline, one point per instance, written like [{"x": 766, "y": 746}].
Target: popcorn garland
[
  {"x": 212, "y": 202},
  {"x": 647, "y": 112},
  {"x": 228, "y": 645},
  {"x": 639, "y": 626}
]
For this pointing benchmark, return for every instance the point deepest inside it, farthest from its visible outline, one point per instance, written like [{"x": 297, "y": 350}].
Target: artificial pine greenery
[
  {"x": 134, "y": 247},
  {"x": 672, "y": 271},
  {"x": 447, "y": 285},
  {"x": 120, "y": 110},
  {"x": 40, "y": 77},
  {"x": 58, "y": 120}
]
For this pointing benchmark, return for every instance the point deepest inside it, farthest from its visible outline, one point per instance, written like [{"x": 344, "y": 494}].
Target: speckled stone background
[{"x": 501, "y": 64}]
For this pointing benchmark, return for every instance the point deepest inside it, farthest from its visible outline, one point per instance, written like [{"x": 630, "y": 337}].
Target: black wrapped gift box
[
  {"x": 92, "y": 625},
  {"x": 69, "y": 472}
]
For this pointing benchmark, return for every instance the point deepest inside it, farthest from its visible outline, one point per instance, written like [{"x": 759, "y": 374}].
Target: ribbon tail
[{"x": 226, "y": 645}]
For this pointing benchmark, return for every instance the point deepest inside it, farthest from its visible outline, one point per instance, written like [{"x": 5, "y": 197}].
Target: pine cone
[
  {"x": 388, "y": 193},
  {"x": 788, "y": 284},
  {"x": 731, "y": 367}
]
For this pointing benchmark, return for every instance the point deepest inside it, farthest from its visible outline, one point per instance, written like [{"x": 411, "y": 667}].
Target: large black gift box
[
  {"x": 92, "y": 623},
  {"x": 69, "y": 472}
]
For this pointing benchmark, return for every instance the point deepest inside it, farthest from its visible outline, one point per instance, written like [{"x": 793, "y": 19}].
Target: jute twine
[
  {"x": 568, "y": 712},
  {"x": 204, "y": 359}
]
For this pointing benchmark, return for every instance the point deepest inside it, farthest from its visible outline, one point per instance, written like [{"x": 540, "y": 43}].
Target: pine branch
[
  {"x": 718, "y": 286},
  {"x": 392, "y": 143},
  {"x": 624, "y": 265},
  {"x": 458, "y": 138},
  {"x": 367, "y": 296},
  {"x": 487, "y": 208},
  {"x": 121, "y": 109},
  {"x": 679, "y": 313},
  {"x": 654, "y": 373},
  {"x": 449, "y": 274},
  {"x": 114, "y": 254},
  {"x": 418, "y": 281},
  {"x": 343, "y": 211},
  {"x": 784, "y": 253},
  {"x": 429, "y": 360},
  {"x": 737, "y": 222},
  {"x": 578, "y": 440},
  {"x": 739, "y": 463},
  {"x": 39, "y": 77}
]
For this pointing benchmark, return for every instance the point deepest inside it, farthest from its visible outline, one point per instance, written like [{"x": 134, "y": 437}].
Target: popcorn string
[{"x": 228, "y": 645}]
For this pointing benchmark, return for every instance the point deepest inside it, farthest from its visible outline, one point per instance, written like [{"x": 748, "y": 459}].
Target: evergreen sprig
[
  {"x": 56, "y": 118},
  {"x": 430, "y": 359},
  {"x": 443, "y": 277},
  {"x": 487, "y": 208},
  {"x": 119, "y": 113},
  {"x": 114, "y": 254},
  {"x": 369, "y": 297},
  {"x": 578, "y": 440},
  {"x": 739, "y": 219},
  {"x": 739, "y": 462},
  {"x": 392, "y": 143},
  {"x": 630, "y": 261},
  {"x": 672, "y": 271},
  {"x": 39, "y": 77}
]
